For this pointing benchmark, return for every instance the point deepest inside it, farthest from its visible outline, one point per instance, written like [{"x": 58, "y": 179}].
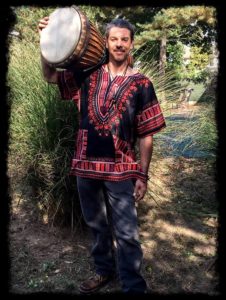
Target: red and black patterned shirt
[{"x": 113, "y": 114}]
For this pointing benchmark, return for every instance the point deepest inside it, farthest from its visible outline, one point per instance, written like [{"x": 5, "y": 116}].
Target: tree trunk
[
  {"x": 162, "y": 56},
  {"x": 162, "y": 64}
]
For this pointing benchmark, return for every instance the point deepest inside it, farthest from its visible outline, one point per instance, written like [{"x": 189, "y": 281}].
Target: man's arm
[
  {"x": 49, "y": 73},
  {"x": 146, "y": 149}
]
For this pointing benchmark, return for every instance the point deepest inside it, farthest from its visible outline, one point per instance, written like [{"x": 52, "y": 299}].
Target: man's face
[{"x": 119, "y": 44}]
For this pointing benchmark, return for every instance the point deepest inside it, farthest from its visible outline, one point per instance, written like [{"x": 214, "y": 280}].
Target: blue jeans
[{"x": 109, "y": 210}]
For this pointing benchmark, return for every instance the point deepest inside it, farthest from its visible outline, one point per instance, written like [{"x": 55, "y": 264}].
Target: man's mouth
[{"x": 119, "y": 50}]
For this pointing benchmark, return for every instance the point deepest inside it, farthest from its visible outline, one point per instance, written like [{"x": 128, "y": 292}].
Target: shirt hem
[{"x": 110, "y": 177}]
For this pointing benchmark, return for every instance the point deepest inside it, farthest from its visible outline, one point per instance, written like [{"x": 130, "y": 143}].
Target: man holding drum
[{"x": 118, "y": 106}]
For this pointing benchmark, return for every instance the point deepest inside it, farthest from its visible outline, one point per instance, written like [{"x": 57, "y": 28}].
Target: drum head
[{"x": 61, "y": 36}]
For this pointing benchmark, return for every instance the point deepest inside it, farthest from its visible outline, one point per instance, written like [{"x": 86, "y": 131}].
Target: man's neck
[{"x": 117, "y": 67}]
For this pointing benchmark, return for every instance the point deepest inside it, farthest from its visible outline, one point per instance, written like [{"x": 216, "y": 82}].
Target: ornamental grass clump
[{"x": 42, "y": 132}]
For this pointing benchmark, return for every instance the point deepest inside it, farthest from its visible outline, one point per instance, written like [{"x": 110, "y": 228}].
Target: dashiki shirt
[{"x": 113, "y": 113}]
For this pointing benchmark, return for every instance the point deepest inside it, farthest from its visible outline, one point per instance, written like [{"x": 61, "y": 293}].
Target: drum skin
[{"x": 89, "y": 49}]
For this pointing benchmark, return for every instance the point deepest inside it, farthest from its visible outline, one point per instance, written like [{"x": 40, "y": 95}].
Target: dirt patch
[
  {"x": 179, "y": 248},
  {"x": 43, "y": 257}
]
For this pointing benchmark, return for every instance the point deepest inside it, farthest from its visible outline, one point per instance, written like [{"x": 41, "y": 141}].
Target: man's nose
[{"x": 118, "y": 44}]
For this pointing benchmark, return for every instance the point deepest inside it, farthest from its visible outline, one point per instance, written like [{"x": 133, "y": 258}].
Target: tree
[
  {"x": 196, "y": 69},
  {"x": 192, "y": 25},
  {"x": 100, "y": 15}
]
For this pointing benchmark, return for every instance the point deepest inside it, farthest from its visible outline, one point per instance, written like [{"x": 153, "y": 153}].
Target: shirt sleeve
[
  {"x": 69, "y": 86},
  {"x": 149, "y": 117}
]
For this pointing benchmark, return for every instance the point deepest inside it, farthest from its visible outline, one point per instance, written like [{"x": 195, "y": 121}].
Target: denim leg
[
  {"x": 95, "y": 215},
  {"x": 124, "y": 220}
]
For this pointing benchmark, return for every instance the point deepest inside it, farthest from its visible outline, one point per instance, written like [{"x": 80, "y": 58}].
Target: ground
[{"x": 178, "y": 234}]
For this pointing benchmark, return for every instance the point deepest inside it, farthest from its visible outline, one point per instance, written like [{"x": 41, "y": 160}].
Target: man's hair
[{"x": 122, "y": 24}]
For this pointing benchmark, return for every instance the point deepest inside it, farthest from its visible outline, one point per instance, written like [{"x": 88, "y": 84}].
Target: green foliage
[
  {"x": 27, "y": 18},
  {"x": 197, "y": 70},
  {"x": 189, "y": 25},
  {"x": 207, "y": 137},
  {"x": 104, "y": 14},
  {"x": 177, "y": 23},
  {"x": 175, "y": 52}
]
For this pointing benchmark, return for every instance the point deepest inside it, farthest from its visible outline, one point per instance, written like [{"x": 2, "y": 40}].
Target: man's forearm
[
  {"x": 146, "y": 148},
  {"x": 49, "y": 73}
]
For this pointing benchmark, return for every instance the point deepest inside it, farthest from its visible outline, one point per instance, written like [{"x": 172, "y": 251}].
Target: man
[{"x": 117, "y": 105}]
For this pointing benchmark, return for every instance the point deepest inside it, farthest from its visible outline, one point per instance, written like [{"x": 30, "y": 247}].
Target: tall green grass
[
  {"x": 42, "y": 130},
  {"x": 167, "y": 88},
  {"x": 204, "y": 130}
]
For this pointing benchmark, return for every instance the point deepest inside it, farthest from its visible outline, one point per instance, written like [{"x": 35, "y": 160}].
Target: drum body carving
[{"x": 71, "y": 39}]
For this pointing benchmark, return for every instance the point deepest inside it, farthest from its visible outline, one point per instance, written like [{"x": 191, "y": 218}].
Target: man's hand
[
  {"x": 140, "y": 190},
  {"x": 42, "y": 24}
]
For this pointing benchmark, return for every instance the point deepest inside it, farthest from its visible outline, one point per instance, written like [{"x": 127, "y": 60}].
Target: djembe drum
[{"x": 71, "y": 39}]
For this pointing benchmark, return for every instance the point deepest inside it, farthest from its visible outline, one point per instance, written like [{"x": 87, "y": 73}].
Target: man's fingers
[
  {"x": 44, "y": 20},
  {"x": 139, "y": 190},
  {"x": 138, "y": 195},
  {"x": 43, "y": 23}
]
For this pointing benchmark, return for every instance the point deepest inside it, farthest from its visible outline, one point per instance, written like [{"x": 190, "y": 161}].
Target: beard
[{"x": 118, "y": 56}]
